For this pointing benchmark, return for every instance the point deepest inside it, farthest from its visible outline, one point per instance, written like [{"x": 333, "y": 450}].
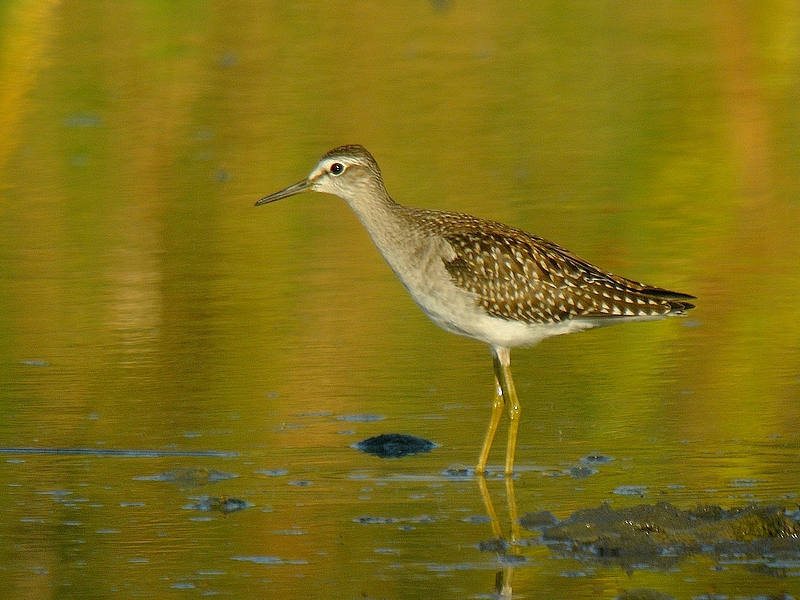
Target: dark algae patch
[{"x": 394, "y": 445}]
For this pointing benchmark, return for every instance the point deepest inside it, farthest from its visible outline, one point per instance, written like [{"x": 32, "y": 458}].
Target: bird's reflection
[{"x": 507, "y": 548}]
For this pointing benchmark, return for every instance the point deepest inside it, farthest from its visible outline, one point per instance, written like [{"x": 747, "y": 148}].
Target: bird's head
[{"x": 344, "y": 172}]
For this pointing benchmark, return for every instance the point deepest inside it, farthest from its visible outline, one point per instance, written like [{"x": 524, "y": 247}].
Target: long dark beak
[{"x": 297, "y": 188}]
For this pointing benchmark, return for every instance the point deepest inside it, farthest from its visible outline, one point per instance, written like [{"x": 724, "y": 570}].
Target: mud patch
[{"x": 766, "y": 538}]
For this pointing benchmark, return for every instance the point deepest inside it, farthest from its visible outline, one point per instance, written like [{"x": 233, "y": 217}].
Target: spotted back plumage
[{"x": 521, "y": 277}]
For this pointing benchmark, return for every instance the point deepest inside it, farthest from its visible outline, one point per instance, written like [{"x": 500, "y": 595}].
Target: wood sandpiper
[{"x": 484, "y": 280}]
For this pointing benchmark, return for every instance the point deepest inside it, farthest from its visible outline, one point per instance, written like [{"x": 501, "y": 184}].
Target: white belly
[{"x": 459, "y": 311}]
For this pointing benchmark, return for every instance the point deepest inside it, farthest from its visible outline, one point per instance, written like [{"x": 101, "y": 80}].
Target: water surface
[{"x": 193, "y": 372}]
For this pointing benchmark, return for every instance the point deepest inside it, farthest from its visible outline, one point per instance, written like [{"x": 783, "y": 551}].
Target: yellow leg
[
  {"x": 502, "y": 369},
  {"x": 504, "y": 393},
  {"x": 497, "y": 412}
]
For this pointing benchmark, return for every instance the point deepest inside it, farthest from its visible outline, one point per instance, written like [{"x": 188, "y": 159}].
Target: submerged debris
[
  {"x": 496, "y": 544},
  {"x": 394, "y": 445},
  {"x": 581, "y": 471},
  {"x": 538, "y": 521},
  {"x": 222, "y": 504},
  {"x": 643, "y": 594},
  {"x": 595, "y": 458},
  {"x": 458, "y": 472},
  {"x": 376, "y": 520}
]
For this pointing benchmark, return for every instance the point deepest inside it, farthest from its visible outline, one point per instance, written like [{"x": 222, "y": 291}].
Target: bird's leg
[
  {"x": 497, "y": 412},
  {"x": 502, "y": 369}
]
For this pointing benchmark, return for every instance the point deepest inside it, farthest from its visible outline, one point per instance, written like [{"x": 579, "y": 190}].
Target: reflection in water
[
  {"x": 508, "y": 550},
  {"x": 118, "y": 452}
]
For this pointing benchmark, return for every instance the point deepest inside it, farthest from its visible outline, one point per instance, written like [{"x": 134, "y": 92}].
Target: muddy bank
[{"x": 766, "y": 538}]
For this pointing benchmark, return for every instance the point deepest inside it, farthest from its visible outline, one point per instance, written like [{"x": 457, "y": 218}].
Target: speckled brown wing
[{"x": 521, "y": 277}]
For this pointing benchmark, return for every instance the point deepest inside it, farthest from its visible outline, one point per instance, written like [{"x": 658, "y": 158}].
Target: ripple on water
[
  {"x": 191, "y": 476},
  {"x": 269, "y": 560},
  {"x": 361, "y": 418}
]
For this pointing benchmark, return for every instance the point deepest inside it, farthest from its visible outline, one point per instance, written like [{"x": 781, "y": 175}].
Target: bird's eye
[{"x": 336, "y": 169}]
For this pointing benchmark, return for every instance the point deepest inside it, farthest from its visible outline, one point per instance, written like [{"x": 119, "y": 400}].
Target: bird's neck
[
  {"x": 381, "y": 216},
  {"x": 384, "y": 219}
]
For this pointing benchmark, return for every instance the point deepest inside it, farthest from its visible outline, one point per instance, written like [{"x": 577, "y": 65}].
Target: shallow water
[{"x": 183, "y": 377}]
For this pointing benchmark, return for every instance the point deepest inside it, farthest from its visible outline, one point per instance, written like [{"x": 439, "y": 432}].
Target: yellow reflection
[
  {"x": 510, "y": 548},
  {"x": 22, "y": 57}
]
